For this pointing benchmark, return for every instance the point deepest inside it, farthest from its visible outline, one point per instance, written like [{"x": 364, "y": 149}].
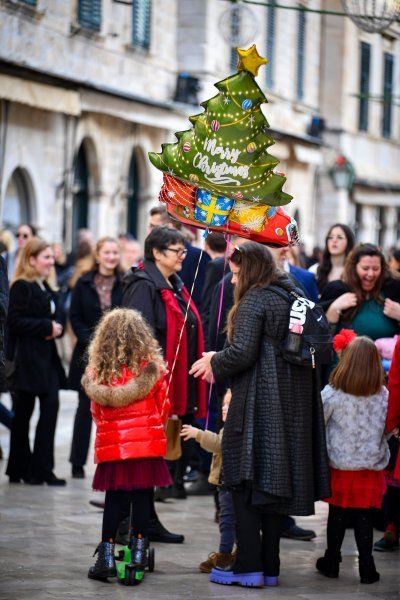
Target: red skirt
[
  {"x": 132, "y": 474},
  {"x": 357, "y": 489}
]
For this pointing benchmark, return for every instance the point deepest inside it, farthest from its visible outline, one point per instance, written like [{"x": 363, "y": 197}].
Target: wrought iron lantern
[
  {"x": 373, "y": 16},
  {"x": 343, "y": 173}
]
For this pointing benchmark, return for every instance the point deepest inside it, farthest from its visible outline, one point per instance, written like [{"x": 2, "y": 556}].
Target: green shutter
[
  {"x": 89, "y": 14},
  {"x": 387, "y": 95},
  {"x": 301, "y": 46},
  {"x": 141, "y": 23},
  {"x": 236, "y": 26},
  {"x": 364, "y": 86},
  {"x": 271, "y": 13},
  {"x": 30, "y": 2}
]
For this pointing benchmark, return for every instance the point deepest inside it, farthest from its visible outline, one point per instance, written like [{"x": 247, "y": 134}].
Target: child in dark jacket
[{"x": 125, "y": 382}]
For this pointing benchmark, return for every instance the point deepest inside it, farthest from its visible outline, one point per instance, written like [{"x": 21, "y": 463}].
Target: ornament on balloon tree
[{"x": 219, "y": 175}]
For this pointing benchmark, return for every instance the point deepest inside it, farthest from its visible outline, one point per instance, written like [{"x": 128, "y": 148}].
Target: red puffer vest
[{"x": 130, "y": 415}]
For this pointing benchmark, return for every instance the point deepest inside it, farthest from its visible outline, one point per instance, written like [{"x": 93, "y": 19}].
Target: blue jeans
[
  {"x": 227, "y": 521},
  {"x": 6, "y": 416}
]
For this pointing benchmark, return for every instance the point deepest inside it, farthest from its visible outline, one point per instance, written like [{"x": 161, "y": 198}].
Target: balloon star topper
[
  {"x": 250, "y": 60},
  {"x": 220, "y": 173}
]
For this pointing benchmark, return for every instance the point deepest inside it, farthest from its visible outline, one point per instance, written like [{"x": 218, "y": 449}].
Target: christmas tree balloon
[{"x": 220, "y": 171}]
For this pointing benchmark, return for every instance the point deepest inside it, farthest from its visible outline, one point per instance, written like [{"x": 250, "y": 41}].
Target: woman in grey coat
[{"x": 274, "y": 450}]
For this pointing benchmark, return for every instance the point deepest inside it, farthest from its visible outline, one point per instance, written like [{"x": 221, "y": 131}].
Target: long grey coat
[{"x": 274, "y": 436}]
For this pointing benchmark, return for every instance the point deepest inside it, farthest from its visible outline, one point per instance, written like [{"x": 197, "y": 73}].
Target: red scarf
[{"x": 178, "y": 384}]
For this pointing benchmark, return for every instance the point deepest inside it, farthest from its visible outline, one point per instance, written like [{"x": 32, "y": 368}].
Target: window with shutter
[
  {"x": 365, "y": 62},
  {"x": 235, "y": 34},
  {"x": 387, "y": 95},
  {"x": 141, "y": 24},
  {"x": 271, "y": 13},
  {"x": 301, "y": 45},
  {"x": 89, "y": 14}
]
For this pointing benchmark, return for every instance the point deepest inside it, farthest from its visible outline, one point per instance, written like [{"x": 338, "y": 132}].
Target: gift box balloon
[
  {"x": 176, "y": 191},
  {"x": 278, "y": 231},
  {"x": 211, "y": 209}
]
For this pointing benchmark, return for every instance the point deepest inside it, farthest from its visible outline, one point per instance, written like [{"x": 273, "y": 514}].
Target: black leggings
[
  {"x": 339, "y": 518},
  {"x": 115, "y": 510}
]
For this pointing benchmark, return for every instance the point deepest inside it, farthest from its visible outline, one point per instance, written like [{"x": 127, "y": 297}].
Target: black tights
[
  {"x": 339, "y": 518},
  {"x": 115, "y": 510}
]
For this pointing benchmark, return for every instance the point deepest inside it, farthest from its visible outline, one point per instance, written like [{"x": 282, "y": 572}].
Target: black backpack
[{"x": 313, "y": 346}]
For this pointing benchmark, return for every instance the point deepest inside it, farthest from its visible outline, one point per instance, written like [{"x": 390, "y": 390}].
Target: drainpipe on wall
[{"x": 5, "y": 110}]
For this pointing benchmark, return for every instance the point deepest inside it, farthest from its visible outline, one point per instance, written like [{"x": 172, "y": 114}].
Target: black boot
[
  {"x": 105, "y": 563},
  {"x": 158, "y": 533},
  {"x": 139, "y": 547},
  {"x": 368, "y": 572},
  {"x": 328, "y": 564}
]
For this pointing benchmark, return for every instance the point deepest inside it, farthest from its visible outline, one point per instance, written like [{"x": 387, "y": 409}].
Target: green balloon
[{"x": 226, "y": 151}]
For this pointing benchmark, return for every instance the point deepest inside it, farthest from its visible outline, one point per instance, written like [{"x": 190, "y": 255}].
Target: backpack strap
[{"x": 279, "y": 291}]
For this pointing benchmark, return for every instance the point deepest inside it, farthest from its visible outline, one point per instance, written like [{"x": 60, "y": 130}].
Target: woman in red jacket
[
  {"x": 391, "y": 501},
  {"x": 125, "y": 382}
]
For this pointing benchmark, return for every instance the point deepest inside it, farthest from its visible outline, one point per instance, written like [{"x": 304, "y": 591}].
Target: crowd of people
[{"x": 171, "y": 333}]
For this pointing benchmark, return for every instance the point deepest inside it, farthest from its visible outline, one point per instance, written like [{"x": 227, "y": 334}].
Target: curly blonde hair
[{"x": 122, "y": 337}]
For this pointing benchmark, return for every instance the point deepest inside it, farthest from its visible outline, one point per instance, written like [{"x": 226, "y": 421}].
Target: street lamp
[
  {"x": 343, "y": 175},
  {"x": 373, "y": 16}
]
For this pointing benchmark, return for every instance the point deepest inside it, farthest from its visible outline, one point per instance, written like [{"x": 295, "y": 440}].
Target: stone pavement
[{"x": 48, "y": 535}]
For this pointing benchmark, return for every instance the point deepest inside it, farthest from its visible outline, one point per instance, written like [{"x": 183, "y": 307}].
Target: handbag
[{"x": 172, "y": 432}]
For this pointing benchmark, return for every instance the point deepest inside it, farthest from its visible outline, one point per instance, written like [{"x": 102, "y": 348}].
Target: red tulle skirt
[
  {"x": 132, "y": 474},
  {"x": 357, "y": 489}
]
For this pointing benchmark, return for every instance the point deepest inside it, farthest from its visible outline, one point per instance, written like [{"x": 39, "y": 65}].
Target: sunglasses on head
[
  {"x": 22, "y": 235},
  {"x": 236, "y": 255}
]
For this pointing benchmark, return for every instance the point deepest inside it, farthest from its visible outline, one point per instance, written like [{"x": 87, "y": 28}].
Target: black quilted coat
[{"x": 274, "y": 436}]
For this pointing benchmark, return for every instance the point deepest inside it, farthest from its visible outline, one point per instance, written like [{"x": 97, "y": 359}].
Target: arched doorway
[
  {"x": 80, "y": 203},
  {"x": 18, "y": 200},
  {"x": 133, "y": 196}
]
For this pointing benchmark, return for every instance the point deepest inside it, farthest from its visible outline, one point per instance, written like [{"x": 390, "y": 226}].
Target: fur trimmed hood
[{"x": 119, "y": 396}]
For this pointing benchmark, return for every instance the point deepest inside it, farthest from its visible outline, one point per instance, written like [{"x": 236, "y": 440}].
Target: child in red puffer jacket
[{"x": 125, "y": 383}]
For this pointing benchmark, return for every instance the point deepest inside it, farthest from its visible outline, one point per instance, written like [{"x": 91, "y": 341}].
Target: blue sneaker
[
  {"x": 271, "y": 581},
  {"x": 228, "y": 577}
]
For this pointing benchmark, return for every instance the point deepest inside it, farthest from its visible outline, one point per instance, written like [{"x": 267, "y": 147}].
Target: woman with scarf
[{"x": 155, "y": 289}]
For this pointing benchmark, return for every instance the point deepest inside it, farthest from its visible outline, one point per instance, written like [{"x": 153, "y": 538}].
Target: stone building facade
[{"x": 88, "y": 87}]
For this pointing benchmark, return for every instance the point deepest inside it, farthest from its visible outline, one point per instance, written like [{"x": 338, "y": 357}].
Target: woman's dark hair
[
  {"x": 257, "y": 269},
  {"x": 160, "y": 238},
  {"x": 33, "y": 229},
  {"x": 325, "y": 265},
  {"x": 396, "y": 255},
  {"x": 352, "y": 280}
]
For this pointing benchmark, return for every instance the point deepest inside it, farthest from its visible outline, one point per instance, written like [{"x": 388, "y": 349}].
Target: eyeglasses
[
  {"x": 22, "y": 235},
  {"x": 178, "y": 251}
]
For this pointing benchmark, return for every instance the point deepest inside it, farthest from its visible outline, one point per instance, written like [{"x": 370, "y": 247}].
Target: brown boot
[{"x": 216, "y": 559}]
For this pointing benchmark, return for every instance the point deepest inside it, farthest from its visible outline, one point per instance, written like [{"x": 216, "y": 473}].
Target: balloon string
[
  {"x": 221, "y": 298},
  {"x": 184, "y": 320}
]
